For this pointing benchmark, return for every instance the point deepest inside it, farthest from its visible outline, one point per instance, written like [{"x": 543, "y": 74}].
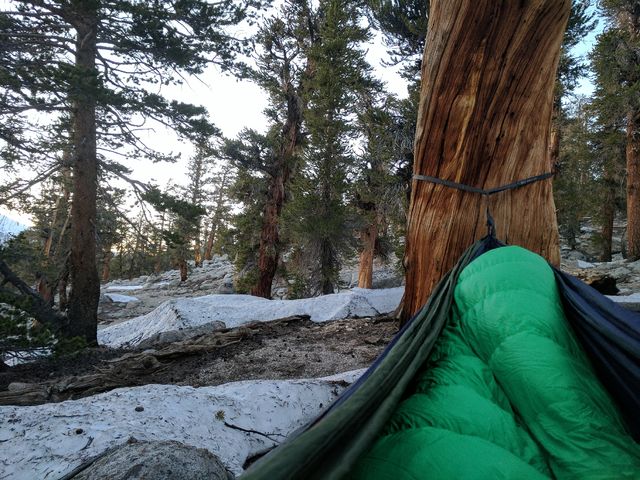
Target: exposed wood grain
[{"x": 484, "y": 120}]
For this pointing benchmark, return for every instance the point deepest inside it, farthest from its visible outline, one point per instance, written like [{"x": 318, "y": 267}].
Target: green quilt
[{"x": 507, "y": 392}]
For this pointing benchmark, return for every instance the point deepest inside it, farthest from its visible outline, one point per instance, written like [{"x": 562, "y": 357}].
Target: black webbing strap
[
  {"x": 486, "y": 193},
  {"x": 491, "y": 227}
]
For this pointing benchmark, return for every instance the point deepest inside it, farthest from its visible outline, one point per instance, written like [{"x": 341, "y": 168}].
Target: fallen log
[
  {"x": 37, "y": 306},
  {"x": 131, "y": 369}
]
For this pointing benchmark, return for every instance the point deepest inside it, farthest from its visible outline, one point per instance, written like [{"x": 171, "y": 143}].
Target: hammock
[{"x": 332, "y": 444}]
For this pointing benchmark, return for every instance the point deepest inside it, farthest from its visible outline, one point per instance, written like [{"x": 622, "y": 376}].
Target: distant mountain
[{"x": 9, "y": 228}]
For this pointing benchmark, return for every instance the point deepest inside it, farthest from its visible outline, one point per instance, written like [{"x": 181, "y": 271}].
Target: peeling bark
[{"x": 484, "y": 120}]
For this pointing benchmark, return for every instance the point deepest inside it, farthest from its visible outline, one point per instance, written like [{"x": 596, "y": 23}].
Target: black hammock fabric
[{"x": 331, "y": 444}]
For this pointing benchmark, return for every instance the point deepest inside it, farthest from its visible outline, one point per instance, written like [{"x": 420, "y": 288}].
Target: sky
[{"x": 236, "y": 104}]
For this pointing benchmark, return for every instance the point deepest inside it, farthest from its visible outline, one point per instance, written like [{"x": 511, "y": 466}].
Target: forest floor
[{"x": 290, "y": 349}]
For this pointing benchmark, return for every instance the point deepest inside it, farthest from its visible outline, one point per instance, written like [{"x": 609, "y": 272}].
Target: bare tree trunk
[
  {"x": 484, "y": 120},
  {"x": 269, "y": 251},
  {"x": 85, "y": 284},
  {"x": 368, "y": 239},
  {"x": 633, "y": 185},
  {"x": 184, "y": 269}
]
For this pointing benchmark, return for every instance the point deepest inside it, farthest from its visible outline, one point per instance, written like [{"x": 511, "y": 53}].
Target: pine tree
[
  {"x": 617, "y": 61},
  {"x": 95, "y": 61},
  {"x": 285, "y": 40},
  {"x": 323, "y": 224},
  {"x": 378, "y": 189}
]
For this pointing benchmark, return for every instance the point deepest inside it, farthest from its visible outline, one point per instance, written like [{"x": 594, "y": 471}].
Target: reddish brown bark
[
  {"x": 184, "y": 270},
  {"x": 106, "y": 264},
  {"x": 269, "y": 252},
  {"x": 633, "y": 185},
  {"x": 484, "y": 120},
  {"x": 368, "y": 237},
  {"x": 85, "y": 283}
]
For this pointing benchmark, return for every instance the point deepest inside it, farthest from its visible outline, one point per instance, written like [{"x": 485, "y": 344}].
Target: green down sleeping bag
[{"x": 507, "y": 392}]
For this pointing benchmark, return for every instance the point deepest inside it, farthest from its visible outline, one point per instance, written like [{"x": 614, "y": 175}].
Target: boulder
[{"x": 155, "y": 460}]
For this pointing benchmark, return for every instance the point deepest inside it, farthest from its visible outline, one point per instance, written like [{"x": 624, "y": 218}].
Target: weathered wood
[{"x": 484, "y": 120}]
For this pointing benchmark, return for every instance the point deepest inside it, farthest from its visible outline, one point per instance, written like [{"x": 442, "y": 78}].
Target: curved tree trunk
[
  {"x": 85, "y": 283},
  {"x": 484, "y": 120},
  {"x": 270, "y": 247}
]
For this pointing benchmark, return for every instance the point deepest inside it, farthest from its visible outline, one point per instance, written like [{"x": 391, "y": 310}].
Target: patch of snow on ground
[
  {"x": 236, "y": 310},
  {"x": 124, "y": 288},
  {"x": 583, "y": 264},
  {"x": 631, "y": 302},
  {"x": 115, "y": 297},
  {"x": 49, "y": 441}
]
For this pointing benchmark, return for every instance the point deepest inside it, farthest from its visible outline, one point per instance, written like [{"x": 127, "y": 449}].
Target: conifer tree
[
  {"x": 95, "y": 61},
  {"x": 323, "y": 223},
  {"x": 282, "y": 69},
  {"x": 617, "y": 61}
]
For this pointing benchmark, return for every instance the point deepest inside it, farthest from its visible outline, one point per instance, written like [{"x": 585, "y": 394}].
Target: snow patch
[
  {"x": 233, "y": 421},
  {"x": 115, "y": 297},
  {"x": 236, "y": 310},
  {"x": 583, "y": 264},
  {"x": 124, "y": 288}
]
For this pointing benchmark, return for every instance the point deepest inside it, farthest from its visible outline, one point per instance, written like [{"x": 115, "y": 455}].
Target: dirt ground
[{"x": 275, "y": 350}]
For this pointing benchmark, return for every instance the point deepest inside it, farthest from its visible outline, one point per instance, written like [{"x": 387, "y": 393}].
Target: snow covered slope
[
  {"x": 235, "y": 310},
  {"x": 233, "y": 421}
]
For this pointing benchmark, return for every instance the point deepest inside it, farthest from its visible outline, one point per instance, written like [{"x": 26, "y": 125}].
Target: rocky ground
[{"x": 275, "y": 350}]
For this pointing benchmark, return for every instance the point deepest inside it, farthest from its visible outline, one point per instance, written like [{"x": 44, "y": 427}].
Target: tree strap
[
  {"x": 486, "y": 193},
  {"x": 491, "y": 227}
]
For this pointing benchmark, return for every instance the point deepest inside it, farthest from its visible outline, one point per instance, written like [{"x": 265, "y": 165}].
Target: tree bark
[
  {"x": 85, "y": 284},
  {"x": 633, "y": 185},
  {"x": 484, "y": 120},
  {"x": 369, "y": 235},
  {"x": 184, "y": 269},
  {"x": 269, "y": 252}
]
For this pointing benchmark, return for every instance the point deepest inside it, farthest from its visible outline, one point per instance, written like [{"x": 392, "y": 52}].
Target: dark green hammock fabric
[
  {"x": 507, "y": 393},
  {"x": 338, "y": 443}
]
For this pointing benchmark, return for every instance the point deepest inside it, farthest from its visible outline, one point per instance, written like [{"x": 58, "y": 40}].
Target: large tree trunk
[
  {"x": 484, "y": 120},
  {"x": 85, "y": 284},
  {"x": 633, "y": 185},
  {"x": 269, "y": 251}
]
